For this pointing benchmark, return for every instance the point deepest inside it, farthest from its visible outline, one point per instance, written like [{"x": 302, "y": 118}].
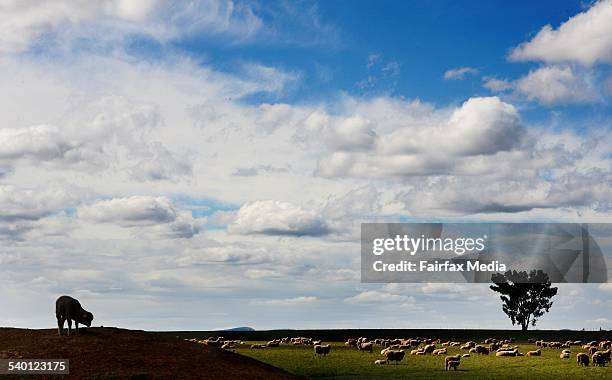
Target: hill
[
  {"x": 241, "y": 328},
  {"x": 111, "y": 353}
]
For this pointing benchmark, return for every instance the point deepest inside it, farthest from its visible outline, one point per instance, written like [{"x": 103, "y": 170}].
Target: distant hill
[{"x": 241, "y": 328}]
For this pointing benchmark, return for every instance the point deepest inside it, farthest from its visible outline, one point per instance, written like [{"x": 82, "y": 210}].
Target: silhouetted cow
[{"x": 67, "y": 308}]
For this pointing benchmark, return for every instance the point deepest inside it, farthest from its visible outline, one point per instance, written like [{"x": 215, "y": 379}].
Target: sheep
[
  {"x": 606, "y": 354},
  {"x": 273, "y": 343},
  {"x": 417, "y": 352},
  {"x": 257, "y": 346},
  {"x": 564, "y": 355},
  {"x": 598, "y": 360},
  {"x": 228, "y": 346},
  {"x": 507, "y": 353},
  {"x": 322, "y": 349},
  {"x": 394, "y": 356},
  {"x": 592, "y": 350},
  {"x": 366, "y": 347},
  {"x": 317, "y": 343},
  {"x": 420, "y": 353},
  {"x": 351, "y": 342},
  {"x": 481, "y": 350},
  {"x": 537, "y": 352},
  {"x": 428, "y": 349},
  {"x": 452, "y": 364},
  {"x": 440, "y": 351},
  {"x": 582, "y": 359},
  {"x": 451, "y": 358},
  {"x": 380, "y": 362}
]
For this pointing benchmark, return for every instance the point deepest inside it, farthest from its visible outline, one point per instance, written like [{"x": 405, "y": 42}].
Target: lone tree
[{"x": 525, "y": 297}]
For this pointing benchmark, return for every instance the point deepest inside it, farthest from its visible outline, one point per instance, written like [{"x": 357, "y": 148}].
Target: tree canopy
[{"x": 525, "y": 296}]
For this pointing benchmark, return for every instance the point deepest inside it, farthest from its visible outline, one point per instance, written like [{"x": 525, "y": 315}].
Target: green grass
[{"x": 348, "y": 363}]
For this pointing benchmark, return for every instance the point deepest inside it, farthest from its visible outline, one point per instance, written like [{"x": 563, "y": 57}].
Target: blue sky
[
  {"x": 207, "y": 164},
  {"x": 424, "y": 39}
]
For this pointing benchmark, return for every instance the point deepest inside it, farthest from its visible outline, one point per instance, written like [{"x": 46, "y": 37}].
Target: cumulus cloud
[
  {"x": 278, "y": 218},
  {"x": 585, "y": 38},
  {"x": 110, "y": 132},
  {"x": 552, "y": 85},
  {"x": 557, "y": 85},
  {"x": 459, "y": 73},
  {"x": 436, "y": 145},
  {"x": 33, "y": 204},
  {"x": 141, "y": 211},
  {"x": 132, "y": 211},
  {"x": 352, "y": 133}
]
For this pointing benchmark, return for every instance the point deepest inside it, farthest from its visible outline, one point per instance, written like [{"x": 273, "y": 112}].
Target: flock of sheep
[{"x": 394, "y": 350}]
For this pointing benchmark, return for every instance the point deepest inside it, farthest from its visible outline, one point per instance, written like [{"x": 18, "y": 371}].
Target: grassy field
[{"x": 348, "y": 363}]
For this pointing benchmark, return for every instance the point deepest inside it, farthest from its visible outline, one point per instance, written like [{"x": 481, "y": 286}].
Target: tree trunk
[{"x": 524, "y": 327}]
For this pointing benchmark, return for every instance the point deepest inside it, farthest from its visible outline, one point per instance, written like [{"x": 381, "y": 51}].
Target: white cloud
[
  {"x": 40, "y": 141},
  {"x": 374, "y": 296},
  {"x": 459, "y": 73},
  {"x": 431, "y": 145},
  {"x": 391, "y": 69},
  {"x": 497, "y": 85},
  {"x": 268, "y": 79},
  {"x": 23, "y": 22},
  {"x": 557, "y": 85},
  {"x": 302, "y": 300},
  {"x": 553, "y": 85},
  {"x": 585, "y": 38},
  {"x": 142, "y": 211},
  {"x": 132, "y": 211},
  {"x": 278, "y": 218},
  {"x": 34, "y": 204}
]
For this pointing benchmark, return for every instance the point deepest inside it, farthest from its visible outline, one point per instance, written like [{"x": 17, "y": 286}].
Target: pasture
[{"x": 348, "y": 363}]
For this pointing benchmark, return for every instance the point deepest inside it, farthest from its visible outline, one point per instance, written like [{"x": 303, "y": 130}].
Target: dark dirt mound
[{"x": 110, "y": 353}]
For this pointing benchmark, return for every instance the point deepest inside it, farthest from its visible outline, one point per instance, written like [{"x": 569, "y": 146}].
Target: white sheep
[
  {"x": 394, "y": 356},
  {"x": 322, "y": 349}
]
